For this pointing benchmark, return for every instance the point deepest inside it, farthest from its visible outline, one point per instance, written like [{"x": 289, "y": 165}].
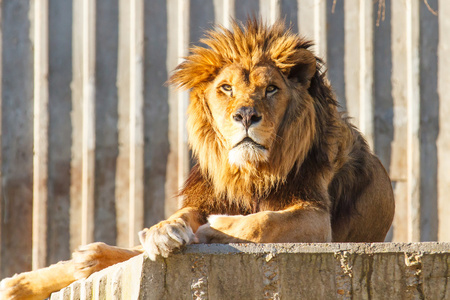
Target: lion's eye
[
  {"x": 270, "y": 90},
  {"x": 226, "y": 88}
]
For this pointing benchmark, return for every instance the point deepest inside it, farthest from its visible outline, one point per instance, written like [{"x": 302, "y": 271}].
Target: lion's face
[
  {"x": 251, "y": 118},
  {"x": 247, "y": 108}
]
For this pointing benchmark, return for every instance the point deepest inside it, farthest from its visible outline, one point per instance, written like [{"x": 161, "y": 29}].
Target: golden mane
[{"x": 249, "y": 46}]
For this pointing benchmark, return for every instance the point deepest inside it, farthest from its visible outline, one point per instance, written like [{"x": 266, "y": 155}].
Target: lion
[{"x": 277, "y": 161}]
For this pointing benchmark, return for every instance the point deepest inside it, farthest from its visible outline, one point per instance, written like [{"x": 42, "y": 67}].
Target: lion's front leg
[
  {"x": 295, "y": 224},
  {"x": 173, "y": 233}
]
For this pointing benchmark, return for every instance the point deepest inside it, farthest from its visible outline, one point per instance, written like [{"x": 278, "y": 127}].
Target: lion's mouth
[
  {"x": 248, "y": 140},
  {"x": 247, "y": 151}
]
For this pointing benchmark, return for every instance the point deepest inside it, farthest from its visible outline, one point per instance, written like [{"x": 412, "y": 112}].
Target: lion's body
[
  {"x": 277, "y": 162},
  {"x": 316, "y": 159},
  {"x": 353, "y": 193}
]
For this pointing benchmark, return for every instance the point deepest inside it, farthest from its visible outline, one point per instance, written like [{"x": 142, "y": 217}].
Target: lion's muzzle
[{"x": 247, "y": 116}]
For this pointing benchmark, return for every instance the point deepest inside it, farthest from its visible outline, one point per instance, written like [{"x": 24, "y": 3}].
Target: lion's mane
[{"x": 303, "y": 131}]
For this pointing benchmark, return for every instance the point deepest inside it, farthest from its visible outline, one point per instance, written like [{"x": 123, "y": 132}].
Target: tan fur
[
  {"x": 276, "y": 161},
  {"x": 297, "y": 223},
  {"x": 85, "y": 261}
]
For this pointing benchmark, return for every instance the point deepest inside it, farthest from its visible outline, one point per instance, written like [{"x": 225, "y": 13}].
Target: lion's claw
[{"x": 165, "y": 237}]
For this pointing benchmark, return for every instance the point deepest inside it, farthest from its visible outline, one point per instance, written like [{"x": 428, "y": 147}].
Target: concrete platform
[{"x": 277, "y": 271}]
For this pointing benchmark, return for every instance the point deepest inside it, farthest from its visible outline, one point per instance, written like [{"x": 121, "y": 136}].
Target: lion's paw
[
  {"x": 166, "y": 236},
  {"x": 88, "y": 259},
  {"x": 16, "y": 287}
]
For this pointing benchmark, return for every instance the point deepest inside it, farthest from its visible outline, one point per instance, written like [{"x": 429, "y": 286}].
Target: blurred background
[{"x": 93, "y": 143}]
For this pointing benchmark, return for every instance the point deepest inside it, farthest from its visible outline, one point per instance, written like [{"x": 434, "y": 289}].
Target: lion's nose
[{"x": 247, "y": 116}]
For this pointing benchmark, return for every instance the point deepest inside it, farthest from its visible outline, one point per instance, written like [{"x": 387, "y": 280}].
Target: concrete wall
[
  {"x": 277, "y": 271},
  {"x": 93, "y": 144}
]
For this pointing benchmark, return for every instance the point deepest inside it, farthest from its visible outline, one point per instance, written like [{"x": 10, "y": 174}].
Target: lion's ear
[{"x": 304, "y": 66}]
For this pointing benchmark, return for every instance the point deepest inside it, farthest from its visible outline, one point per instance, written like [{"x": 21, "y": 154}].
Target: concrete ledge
[{"x": 277, "y": 271}]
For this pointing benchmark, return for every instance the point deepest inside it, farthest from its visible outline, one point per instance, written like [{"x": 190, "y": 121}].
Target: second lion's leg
[
  {"x": 86, "y": 260},
  {"x": 38, "y": 284}
]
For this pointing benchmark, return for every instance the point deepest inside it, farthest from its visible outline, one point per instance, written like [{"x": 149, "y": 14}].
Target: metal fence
[{"x": 93, "y": 144}]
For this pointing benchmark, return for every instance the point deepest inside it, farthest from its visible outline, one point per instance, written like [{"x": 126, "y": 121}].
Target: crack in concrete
[
  {"x": 413, "y": 276},
  {"x": 343, "y": 275},
  {"x": 199, "y": 283},
  {"x": 271, "y": 277}
]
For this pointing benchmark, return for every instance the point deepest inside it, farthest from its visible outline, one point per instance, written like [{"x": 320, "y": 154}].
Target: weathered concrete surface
[{"x": 277, "y": 271}]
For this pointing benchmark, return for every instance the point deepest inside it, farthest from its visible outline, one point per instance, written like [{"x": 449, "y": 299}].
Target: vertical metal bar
[
  {"x": 136, "y": 218},
  {"x": 171, "y": 184},
  {"x": 405, "y": 166},
  {"x": 398, "y": 167},
  {"x": 359, "y": 65},
  {"x": 444, "y": 121},
  {"x": 183, "y": 97},
  {"x": 366, "y": 70},
  {"x": 270, "y": 10},
  {"x": 178, "y": 159},
  {"x": 88, "y": 143},
  {"x": 312, "y": 23},
  {"x": 351, "y": 59},
  {"x": 122, "y": 193},
  {"x": 413, "y": 96},
  {"x": 224, "y": 11},
  {"x": 77, "y": 132},
  {"x": 40, "y": 133}
]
